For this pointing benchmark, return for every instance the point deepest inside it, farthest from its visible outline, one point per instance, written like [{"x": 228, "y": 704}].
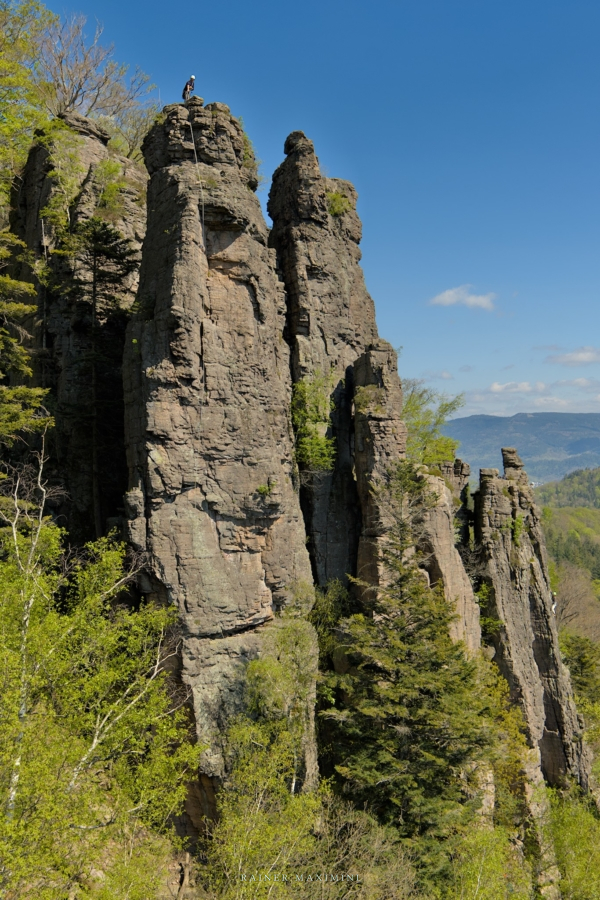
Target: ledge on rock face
[{"x": 85, "y": 126}]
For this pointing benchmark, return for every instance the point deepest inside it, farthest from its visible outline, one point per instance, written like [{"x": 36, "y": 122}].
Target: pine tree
[{"x": 408, "y": 717}]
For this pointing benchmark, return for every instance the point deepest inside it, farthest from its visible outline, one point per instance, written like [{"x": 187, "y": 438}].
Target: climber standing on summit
[{"x": 189, "y": 87}]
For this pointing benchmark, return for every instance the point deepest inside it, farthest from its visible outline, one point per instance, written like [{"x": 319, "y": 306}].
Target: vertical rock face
[
  {"x": 330, "y": 323},
  {"x": 380, "y": 440},
  {"x": 441, "y": 558},
  {"x": 331, "y": 328},
  {"x": 208, "y": 392},
  {"x": 64, "y": 340},
  {"x": 513, "y": 558}
]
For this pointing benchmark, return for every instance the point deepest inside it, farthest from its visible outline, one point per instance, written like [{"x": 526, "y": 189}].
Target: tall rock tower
[
  {"x": 330, "y": 323},
  {"x": 207, "y": 396},
  {"x": 513, "y": 561}
]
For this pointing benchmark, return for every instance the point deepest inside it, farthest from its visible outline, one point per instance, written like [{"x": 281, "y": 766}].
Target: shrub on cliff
[
  {"x": 425, "y": 411},
  {"x": 95, "y": 749},
  {"x": 311, "y": 412}
]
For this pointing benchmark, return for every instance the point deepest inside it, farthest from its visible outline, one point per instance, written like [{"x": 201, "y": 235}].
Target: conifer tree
[{"x": 408, "y": 716}]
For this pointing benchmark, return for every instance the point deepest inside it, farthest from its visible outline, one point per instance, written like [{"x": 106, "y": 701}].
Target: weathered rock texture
[
  {"x": 330, "y": 323},
  {"x": 331, "y": 328},
  {"x": 208, "y": 392},
  {"x": 514, "y": 566},
  {"x": 441, "y": 558},
  {"x": 380, "y": 440},
  {"x": 64, "y": 338}
]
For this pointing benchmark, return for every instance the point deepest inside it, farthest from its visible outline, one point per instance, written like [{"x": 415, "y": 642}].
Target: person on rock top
[{"x": 189, "y": 87}]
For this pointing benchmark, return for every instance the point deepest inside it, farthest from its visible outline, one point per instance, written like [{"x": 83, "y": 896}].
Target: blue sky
[{"x": 471, "y": 131}]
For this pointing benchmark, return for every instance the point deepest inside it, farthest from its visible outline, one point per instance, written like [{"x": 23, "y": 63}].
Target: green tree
[
  {"x": 22, "y": 23},
  {"x": 409, "y": 714},
  {"x": 95, "y": 750},
  {"x": 425, "y": 411},
  {"x": 575, "y": 832},
  {"x": 267, "y": 828},
  {"x": 19, "y": 405}
]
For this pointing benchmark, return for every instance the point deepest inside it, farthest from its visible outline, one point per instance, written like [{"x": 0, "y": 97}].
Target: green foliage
[
  {"x": 409, "y": 714},
  {"x": 249, "y": 160},
  {"x": 280, "y": 684},
  {"x": 573, "y": 535},
  {"x": 21, "y": 25},
  {"x": 580, "y": 488},
  {"x": 265, "y": 490},
  {"x": 425, "y": 411},
  {"x": 331, "y": 605},
  {"x": 19, "y": 406},
  {"x": 486, "y": 865},
  {"x": 95, "y": 752},
  {"x": 311, "y": 415},
  {"x": 266, "y": 827},
  {"x": 109, "y": 177},
  {"x": 582, "y": 656},
  {"x": 516, "y": 526},
  {"x": 64, "y": 148},
  {"x": 338, "y": 203},
  {"x": 575, "y": 832}
]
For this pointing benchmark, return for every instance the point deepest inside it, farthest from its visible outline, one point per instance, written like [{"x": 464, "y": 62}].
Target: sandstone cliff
[
  {"x": 207, "y": 395},
  {"x": 70, "y": 171},
  {"x": 228, "y": 318},
  {"x": 330, "y": 322},
  {"x": 514, "y": 568}
]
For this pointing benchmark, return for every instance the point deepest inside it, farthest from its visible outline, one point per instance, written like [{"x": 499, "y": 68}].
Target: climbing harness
[{"x": 201, "y": 186}]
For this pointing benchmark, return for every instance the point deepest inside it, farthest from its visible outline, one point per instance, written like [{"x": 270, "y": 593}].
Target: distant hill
[
  {"x": 550, "y": 444},
  {"x": 580, "y": 488}
]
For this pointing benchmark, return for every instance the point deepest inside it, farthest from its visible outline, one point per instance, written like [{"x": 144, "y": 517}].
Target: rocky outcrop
[
  {"x": 441, "y": 558},
  {"x": 514, "y": 570},
  {"x": 67, "y": 175},
  {"x": 330, "y": 323},
  {"x": 208, "y": 392},
  {"x": 380, "y": 440},
  {"x": 331, "y": 329}
]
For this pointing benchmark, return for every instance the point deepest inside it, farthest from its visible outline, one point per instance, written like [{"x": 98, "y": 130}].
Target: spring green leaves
[{"x": 311, "y": 413}]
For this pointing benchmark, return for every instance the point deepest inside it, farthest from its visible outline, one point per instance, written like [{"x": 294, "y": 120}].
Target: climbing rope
[{"x": 201, "y": 186}]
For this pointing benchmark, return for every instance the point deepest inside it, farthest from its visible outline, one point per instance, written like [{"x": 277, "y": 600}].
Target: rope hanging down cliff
[{"x": 201, "y": 187}]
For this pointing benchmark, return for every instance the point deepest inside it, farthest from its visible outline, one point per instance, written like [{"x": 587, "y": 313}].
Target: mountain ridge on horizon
[{"x": 551, "y": 444}]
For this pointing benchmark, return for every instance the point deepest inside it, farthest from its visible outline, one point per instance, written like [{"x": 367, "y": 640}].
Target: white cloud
[
  {"x": 517, "y": 387},
  {"x": 584, "y": 356},
  {"x": 462, "y": 296},
  {"x": 550, "y": 401}
]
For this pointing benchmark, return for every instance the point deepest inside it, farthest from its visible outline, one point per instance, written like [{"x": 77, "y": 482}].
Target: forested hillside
[
  {"x": 579, "y": 488},
  {"x": 571, "y": 517}
]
